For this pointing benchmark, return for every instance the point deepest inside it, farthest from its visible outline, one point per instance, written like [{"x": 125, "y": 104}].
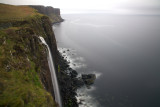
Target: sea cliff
[
  {"x": 53, "y": 13},
  {"x": 24, "y": 72},
  {"x": 25, "y": 78}
]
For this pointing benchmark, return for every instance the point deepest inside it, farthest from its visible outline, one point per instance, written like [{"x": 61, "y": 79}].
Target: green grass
[
  {"x": 18, "y": 91},
  {"x": 10, "y": 12},
  {"x": 20, "y": 65},
  {"x": 54, "y": 18},
  {"x": 20, "y": 84}
]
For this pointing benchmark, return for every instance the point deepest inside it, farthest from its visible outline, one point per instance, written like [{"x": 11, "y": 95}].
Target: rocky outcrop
[
  {"x": 88, "y": 78},
  {"x": 52, "y": 13}
]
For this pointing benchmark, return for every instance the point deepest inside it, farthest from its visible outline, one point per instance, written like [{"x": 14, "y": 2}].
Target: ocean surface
[{"x": 122, "y": 50}]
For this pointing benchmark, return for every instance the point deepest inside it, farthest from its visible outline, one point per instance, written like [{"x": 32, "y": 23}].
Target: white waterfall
[{"x": 53, "y": 74}]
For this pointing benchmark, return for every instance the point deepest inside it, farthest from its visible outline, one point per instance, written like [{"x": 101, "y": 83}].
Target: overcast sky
[{"x": 152, "y": 6}]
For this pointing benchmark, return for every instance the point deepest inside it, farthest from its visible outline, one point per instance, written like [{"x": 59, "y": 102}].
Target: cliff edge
[
  {"x": 24, "y": 72},
  {"x": 25, "y": 78},
  {"x": 52, "y": 13}
]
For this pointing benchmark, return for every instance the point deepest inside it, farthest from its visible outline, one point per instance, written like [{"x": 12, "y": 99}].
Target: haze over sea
[{"x": 123, "y": 49}]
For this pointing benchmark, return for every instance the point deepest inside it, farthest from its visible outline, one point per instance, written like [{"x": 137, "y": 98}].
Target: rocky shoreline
[
  {"x": 69, "y": 82},
  {"x": 67, "y": 78}
]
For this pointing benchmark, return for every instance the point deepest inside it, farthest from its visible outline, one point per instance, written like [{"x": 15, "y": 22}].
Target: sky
[{"x": 118, "y": 6}]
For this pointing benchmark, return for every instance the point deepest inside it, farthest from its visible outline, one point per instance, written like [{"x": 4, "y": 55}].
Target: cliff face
[
  {"x": 25, "y": 78},
  {"x": 24, "y": 72},
  {"x": 52, "y": 13}
]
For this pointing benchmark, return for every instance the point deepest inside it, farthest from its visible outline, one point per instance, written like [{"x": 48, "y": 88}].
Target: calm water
[{"x": 124, "y": 52}]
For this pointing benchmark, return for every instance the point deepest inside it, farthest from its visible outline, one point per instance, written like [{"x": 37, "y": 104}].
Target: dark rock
[
  {"x": 68, "y": 83},
  {"x": 88, "y": 78},
  {"x": 73, "y": 74},
  {"x": 88, "y": 86},
  {"x": 69, "y": 68},
  {"x": 80, "y": 102},
  {"x": 79, "y": 82}
]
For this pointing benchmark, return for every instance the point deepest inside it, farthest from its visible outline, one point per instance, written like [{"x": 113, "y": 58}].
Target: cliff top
[
  {"x": 52, "y": 13},
  {"x": 11, "y": 12}
]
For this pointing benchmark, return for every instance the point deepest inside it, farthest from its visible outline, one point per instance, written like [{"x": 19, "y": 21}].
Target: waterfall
[{"x": 53, "y": 74}]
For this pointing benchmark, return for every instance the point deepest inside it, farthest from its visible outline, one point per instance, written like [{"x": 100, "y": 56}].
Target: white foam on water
[
  {"x": 98, "y": 74},
  {"x": 84, "y": 98},
  {"x": 70, "y": 55}
]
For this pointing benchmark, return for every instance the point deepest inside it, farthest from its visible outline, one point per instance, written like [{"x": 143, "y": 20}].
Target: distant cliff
[{"x": 52, "y": 13}]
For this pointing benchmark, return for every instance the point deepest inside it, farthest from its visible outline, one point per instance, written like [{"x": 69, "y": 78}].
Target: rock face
[
  {"x": 25, "y": 78},
  {"x": 52, "y": 13},
  {"x": 23, "y": 60},
  {"x": 88, "y": 78},
  {"x": 67, "y": 80}
]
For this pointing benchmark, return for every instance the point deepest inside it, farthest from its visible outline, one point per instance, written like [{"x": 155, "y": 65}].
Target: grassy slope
[
  {"x": 20, "y": 84},
  {"x": 54, "y": 18},
  {"x": 10, "y": 12}
]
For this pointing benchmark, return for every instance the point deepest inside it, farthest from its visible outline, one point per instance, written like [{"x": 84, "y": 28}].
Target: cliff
[
  {"x": 52, "y": 13},
  {"x": 24, "y": 73},
  {"x": 25, "y": 79}
]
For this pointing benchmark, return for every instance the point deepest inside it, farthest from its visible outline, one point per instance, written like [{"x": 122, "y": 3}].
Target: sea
[{"x": 123, "y": 50}]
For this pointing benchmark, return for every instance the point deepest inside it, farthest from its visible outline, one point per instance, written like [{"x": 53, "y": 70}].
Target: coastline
[{"x": 19, "y": 40}]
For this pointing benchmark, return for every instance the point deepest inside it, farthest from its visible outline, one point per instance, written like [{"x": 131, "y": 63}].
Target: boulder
[
  {"x": 88, "y": 78},
  {"x": 73, "y": 74},
  {"x": 78, "y": 82}
]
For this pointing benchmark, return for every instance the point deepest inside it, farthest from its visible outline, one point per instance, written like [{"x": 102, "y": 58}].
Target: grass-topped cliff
[
  {"x": 10, "y": 12},
  {"x": 24, "y": 73},
  {"x": 52, "y": 13}
]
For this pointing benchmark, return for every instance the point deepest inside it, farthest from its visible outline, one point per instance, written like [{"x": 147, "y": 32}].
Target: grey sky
[{"x": 110, "y": 5}]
